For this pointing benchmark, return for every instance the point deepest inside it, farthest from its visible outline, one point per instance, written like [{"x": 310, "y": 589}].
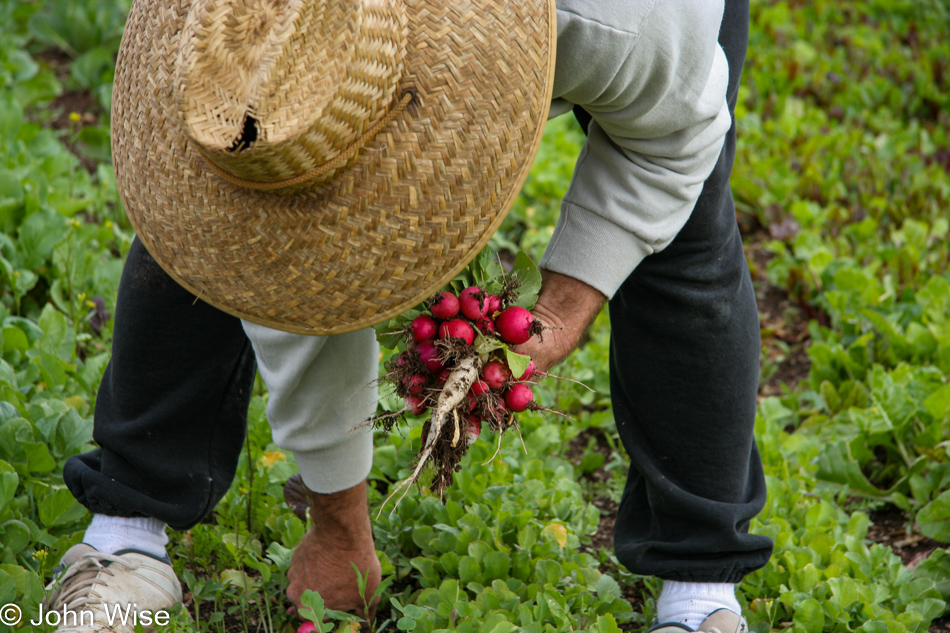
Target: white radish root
[
  {"x": 455, "y": 434},
  {"x": 452, "y": 395}
]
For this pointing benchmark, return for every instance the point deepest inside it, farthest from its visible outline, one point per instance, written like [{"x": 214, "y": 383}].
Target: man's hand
[
  {"x": 567, "y": 305},
  {"x": 341, "y": 535}
]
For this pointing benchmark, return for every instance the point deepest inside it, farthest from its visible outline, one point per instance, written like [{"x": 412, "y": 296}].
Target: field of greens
[{"x": 842, "y": 184}]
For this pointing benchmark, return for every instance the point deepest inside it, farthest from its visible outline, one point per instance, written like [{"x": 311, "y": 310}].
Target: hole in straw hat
[{"x": 248, "y": 135}]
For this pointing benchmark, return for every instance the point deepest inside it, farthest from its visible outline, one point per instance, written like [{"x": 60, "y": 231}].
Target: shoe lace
[{"x": 76, "y": 587}]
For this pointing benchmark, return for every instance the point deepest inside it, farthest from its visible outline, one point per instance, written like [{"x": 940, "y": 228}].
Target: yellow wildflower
[{"x": 272, "y": 457}]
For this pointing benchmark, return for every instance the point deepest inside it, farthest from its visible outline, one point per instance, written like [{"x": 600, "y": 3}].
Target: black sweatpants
[
  {"x": 171, "y": 412},
  {"x": 684, "y": 369}
]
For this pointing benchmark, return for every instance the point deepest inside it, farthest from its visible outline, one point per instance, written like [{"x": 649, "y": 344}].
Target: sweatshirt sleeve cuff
[
  {"x": 338, "y": 467},
  {"x": 591, "y": 249}
]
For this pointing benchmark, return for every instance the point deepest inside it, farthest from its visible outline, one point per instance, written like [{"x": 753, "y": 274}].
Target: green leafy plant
[{"x": 842, "y": 181}]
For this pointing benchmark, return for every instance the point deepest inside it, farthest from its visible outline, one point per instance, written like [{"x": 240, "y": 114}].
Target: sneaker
[
  {"x": 94, "y": 592},
  {"x": 719, "y": 621}
]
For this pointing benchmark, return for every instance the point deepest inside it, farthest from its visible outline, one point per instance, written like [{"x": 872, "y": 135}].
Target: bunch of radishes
[
  {"x": 444, "y": 335},
  {"x": 457, "y": 364}
]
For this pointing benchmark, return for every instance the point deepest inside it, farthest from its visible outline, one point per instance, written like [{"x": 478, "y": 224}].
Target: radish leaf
[{"x": 529, "y": 280}]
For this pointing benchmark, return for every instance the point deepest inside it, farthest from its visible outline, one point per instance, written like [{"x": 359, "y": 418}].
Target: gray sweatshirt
[{"x": 653, "y": 76}]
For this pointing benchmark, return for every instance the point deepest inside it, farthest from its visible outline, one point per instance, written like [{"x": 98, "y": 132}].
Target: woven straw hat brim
[{"x": 420, "y": 201}]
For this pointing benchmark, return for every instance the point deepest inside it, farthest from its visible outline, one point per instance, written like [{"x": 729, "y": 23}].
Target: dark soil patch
[
  {"x": 603, "y": 539},
  {"x": 65, "y": 107},
  {"x": 892, "y": 527},
  {"x": 784, "y": 328},
  {"x": 634, "y": 595},
  {"x": 58, "y": 60},
  {"x": 577, "y": 449},
  {"x": 80, "y": 102},
  {"x": 940, "y": 625}
]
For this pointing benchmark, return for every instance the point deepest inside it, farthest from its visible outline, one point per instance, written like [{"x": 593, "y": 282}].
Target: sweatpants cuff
[
  {"x": 339, "y": 467},
  {"x": 733, "y": 575}
]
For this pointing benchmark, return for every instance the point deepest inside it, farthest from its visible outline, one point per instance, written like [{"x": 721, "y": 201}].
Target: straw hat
[{"x": 319, "y": 166}]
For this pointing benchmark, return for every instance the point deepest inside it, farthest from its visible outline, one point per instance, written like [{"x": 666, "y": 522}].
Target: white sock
[
  {"x": 689, "y": 603},
  {"x": 112, "y": 534}
]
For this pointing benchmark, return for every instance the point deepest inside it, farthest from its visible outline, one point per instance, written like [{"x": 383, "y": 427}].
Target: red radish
[
  {"x": 472, "y": 401},
  {"x": 417, "y": 404},
  {"x": 444, "y": 305},
  {"x": 495, "y": 374},
  {"x": 307, "y": 627},
  {"x": 444, "y": 375},
  {"x": 514, "y": 325},
  {"x": 486, "y": 325},
  {"x": 479, "y": 387},
  {"x": 458, "y": 328},
  {"x": 527, "y": 372},
  {"x": 415, "y": 384},
  {"x": 473, "y": 430},
  {"x": 473, "y": 302},
  {"x": 423, "y": 328},
  {"x": 519, "y": 397},
  {"x": 492, "y": 304},
  {"x": 429, "y": 355}
]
